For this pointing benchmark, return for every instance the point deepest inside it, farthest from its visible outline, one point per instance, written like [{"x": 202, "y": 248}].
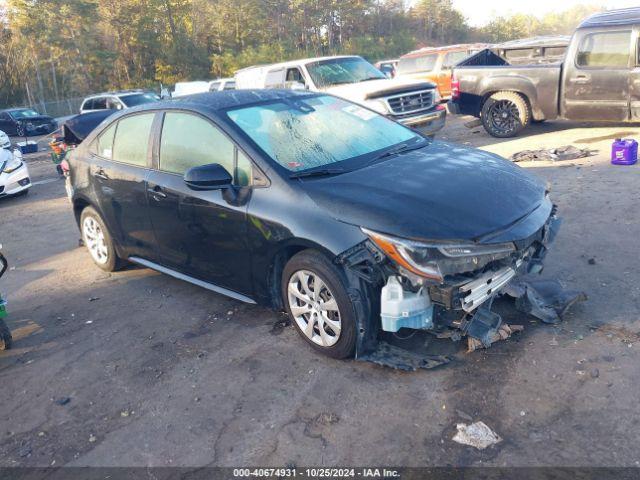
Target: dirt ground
[{"x": 138, "y": 369}]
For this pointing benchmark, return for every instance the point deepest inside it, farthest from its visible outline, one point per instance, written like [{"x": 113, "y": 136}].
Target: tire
[
  {"x": 98, "y": 240},
  {"x": 333, "y": 330},
  {"x": 6, "y": 340},
  {"x": 20, "y": 130},
  {"x": 505, "y": 114}
]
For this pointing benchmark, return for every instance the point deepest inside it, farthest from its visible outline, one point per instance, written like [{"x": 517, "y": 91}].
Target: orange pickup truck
[{"x": 435, "y": 64}]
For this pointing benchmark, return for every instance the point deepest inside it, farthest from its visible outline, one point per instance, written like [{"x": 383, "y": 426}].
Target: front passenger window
[{"x": 190, "y": 141}]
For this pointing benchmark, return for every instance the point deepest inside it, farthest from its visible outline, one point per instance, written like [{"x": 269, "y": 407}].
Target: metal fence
[{"x": 60, "y": 108}]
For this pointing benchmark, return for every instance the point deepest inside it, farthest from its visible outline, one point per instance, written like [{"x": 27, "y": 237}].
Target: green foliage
[{"x": 54, "y": 49}]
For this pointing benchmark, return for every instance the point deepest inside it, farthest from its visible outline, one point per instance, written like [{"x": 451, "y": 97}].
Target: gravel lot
[{"x": 136, "y": 368}]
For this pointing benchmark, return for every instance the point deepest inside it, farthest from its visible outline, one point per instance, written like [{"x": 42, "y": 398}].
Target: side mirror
[
  {"x": 297, "y": 86},
  {"x": 208, "y": 177}
]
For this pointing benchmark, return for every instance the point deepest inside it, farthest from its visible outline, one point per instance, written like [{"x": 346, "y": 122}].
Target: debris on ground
[
  {"x": 92, "y": 438},
  {"x": 62, "y": 400},
  {"x": 504, "y": 332},
  {"x": 477, "y": 435},
  {"x": 388, "y": 355},
  {"x": 568, "y": 152},
  {"x": 591, "y": 261},
  {"x": 326, "y": 418}
]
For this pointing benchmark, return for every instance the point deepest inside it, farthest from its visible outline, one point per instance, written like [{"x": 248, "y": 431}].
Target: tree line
[{"x": 54, "y": 49}]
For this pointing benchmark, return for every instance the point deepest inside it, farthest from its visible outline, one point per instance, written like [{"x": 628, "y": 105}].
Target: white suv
[{"x": 117, "y": 100}]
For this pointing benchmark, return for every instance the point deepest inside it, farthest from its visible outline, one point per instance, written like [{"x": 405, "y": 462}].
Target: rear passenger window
[
  {"x": 131, "y": 143},
  {"x": 190, "y": 141},
  {"x": 105, "y": 142},
  {"x": 604, "y": 49},
  {"x": 99, "y": 103}
]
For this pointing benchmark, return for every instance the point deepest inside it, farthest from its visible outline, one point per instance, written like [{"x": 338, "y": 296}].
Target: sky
[{"x": 480, "y": 12}]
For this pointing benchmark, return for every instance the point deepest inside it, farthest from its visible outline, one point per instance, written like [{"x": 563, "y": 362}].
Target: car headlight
[
  {"x": 437, "y": 98},
  {"x": 12, "y": 165},
  {"x": 377, "y": 105},
  {"x": 435, "y": 260}
]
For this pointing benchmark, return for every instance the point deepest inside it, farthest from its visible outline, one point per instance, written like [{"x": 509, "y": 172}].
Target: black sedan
[
  {"x": 26, "y": 122},
  {"x": 352, "y": 223}
]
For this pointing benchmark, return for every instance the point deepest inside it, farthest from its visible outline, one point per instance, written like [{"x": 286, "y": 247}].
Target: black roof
[
  {"x": 626, "y": 16},
  {"x": 235, "y": 98}
]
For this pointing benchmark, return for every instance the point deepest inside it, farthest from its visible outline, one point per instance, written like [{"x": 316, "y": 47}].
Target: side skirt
[{"x": 195, "y": 281}]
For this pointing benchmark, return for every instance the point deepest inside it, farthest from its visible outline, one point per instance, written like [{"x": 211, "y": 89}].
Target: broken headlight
[
  {"x": 435, "y": 260},
  {"x": 12, "y": 165}
]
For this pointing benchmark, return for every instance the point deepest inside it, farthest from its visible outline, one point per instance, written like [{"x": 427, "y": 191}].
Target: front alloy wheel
[
  {"x": 314, "y": 292},
  {"x": 314, "y": 308}
]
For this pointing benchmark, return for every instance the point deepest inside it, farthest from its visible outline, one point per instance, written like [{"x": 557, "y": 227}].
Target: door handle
[
  {"x": 101, "y": 174},
  {"x": 580, "y": 79},
  {"x": 156, "y": 192}
]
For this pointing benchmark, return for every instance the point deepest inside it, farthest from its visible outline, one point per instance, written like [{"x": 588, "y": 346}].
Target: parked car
[
  {"x": 435, "y": 64},
  {"x": 308, "y": 202},
  {"x": 14, "y": 174},
  {"x": 117, "y": 100},
  {"x": 182, "y": 89},
  {"x": 410, "y": 102},
  {"x": 388, "y": 67},
  {"x": 222, "y": 84},
  {"x": 598, "y": 80},
  {"x": 26, "y": 122},
  {"x": 533, "y": 51}
]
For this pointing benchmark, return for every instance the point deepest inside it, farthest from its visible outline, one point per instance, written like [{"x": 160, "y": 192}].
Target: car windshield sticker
[{"x": 359, "y": 112}]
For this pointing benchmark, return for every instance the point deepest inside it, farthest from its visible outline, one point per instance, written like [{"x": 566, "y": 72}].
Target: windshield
[
  {"x": 26, "y": 113},
  {"x": 425, "y": 63},
  {"x": 318, "y": 131},
  {"x": 139, "y": 99},
  {"x": 337, "y": 71}
]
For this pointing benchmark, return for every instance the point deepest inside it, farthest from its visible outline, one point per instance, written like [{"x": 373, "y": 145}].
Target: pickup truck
[
  {"x": 599, "y": 80},
  {"x": 413, "y": 103}
]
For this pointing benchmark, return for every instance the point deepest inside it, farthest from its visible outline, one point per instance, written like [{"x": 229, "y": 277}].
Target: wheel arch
[
  {"x": 522, "y": 87},
  {"x": 280, "y": 258}
]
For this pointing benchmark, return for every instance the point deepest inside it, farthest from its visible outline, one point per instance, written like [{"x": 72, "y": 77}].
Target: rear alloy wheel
[
  {"x": 317, "y": 302},
  {"x": 98, "y": 241},
  {"x": 20, "y": 130},
  {"x": 505, "y": 114}
]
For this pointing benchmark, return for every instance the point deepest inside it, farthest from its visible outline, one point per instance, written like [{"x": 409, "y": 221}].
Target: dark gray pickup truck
[{"x": 599, "y": 80}]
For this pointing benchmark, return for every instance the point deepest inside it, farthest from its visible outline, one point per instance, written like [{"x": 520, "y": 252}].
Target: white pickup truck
[{"x": 413, "y": 103}]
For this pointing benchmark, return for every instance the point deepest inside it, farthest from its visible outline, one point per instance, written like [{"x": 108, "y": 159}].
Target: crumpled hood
[
  {"x": 359, "y": 92},
  {"x": 439, "y": 192}
]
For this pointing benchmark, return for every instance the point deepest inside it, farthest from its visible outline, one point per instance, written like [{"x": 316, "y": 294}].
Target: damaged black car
[{"x": 349, "y": 221}]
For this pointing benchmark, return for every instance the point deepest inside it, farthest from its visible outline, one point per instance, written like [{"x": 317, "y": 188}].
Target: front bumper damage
[{"x": 462, "y": 303}]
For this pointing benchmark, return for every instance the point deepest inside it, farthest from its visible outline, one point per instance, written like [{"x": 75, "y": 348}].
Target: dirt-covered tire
[
  {"x": 315, "y": 297},
  {"x": 505, "y": 114},
  {"x": 98, "y": 240},
  {"x": 6, "y": 340}
]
